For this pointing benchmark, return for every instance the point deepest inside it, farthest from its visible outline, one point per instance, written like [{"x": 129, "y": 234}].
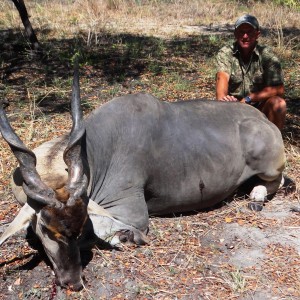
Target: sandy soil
[{"x": 229, "y": 252}]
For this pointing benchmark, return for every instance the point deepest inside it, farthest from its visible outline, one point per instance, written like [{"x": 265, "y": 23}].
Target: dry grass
[
  {"x": 168, "y": 18},
  {"x": 162, "y": 54}
]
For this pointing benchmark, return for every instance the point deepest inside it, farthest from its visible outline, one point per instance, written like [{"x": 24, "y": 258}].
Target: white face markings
[
  {"x": 62, "y": 251},
  {"x": 51, "y": 246}
]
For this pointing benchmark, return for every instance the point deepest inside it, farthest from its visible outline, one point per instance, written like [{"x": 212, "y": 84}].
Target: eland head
[{"x": 56, "y": 216}]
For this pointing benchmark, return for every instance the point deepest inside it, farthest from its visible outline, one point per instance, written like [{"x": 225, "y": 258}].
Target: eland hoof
[{"x": 255, "y": 206}]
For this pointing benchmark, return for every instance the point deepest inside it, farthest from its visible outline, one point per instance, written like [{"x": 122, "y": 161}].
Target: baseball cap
[{"x": 247, "y": 19}]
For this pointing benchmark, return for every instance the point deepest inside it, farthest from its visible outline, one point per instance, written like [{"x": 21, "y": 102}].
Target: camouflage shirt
[{"x": 263, "y": 70}]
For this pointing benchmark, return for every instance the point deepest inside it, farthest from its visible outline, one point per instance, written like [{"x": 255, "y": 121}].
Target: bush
[{"x": 289, "y": 3}]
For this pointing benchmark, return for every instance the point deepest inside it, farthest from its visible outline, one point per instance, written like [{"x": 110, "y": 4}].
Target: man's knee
[
  {"x": 275, "y": 105},
  {"x": 275, "y": 110},
  {"x": 279, "y": 105}
]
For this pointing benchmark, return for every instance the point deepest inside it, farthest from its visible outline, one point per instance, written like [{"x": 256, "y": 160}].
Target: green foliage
[
  {"x": 33, "y": 294},
  {"x": 289, "y": 3},
  {"x": 115, "y": 90},
  {"x": 238, "y": 281},
  {"x": 178, "y": 82}
]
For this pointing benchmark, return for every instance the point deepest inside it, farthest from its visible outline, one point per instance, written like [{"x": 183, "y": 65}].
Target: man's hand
[
  {"x": 229, "y": 98},
  {"x": 222, "y": 80}
]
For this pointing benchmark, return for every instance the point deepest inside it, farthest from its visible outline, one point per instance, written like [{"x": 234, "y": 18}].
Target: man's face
[{"x": 246, "y": 36}]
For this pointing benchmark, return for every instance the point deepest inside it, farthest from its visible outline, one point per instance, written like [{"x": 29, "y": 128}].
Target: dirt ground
[{"x": 228, "y": 252}]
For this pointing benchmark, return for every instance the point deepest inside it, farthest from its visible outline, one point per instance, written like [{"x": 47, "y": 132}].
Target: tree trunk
[{"x": 20, "y": 5}]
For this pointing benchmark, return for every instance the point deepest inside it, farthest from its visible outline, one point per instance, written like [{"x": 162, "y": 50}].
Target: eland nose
[
  {"x": 75, "y": 287},
  {"x": 70, "y": 284}
]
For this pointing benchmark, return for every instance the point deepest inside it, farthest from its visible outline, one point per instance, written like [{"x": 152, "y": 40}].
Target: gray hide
[{"x": 147, "y": 157}]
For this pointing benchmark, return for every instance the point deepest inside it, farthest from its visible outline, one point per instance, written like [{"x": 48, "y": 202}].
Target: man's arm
[
  {"x": 266, "y": 93},
  {"x": 222, "y": 83}
]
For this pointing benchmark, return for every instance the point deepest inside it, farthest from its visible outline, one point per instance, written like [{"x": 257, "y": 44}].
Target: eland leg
[{"x": 260, "y": 192}]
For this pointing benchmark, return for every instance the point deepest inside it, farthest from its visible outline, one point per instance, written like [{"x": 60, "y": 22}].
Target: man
[{"x": 250, "y": 73}]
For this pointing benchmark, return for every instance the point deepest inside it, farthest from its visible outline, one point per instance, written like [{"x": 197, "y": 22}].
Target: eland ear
[{"x": 21, "y": 221}]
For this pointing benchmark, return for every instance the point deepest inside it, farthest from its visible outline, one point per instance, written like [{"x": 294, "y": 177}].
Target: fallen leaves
[
  {"x": 282, "y": 267},
  {"x": 18, "y": 281},
  {"x": 228, "y": 220}
]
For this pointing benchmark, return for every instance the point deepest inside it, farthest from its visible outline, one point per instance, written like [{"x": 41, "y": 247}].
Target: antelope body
[{"x": 133, "y": 157}]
